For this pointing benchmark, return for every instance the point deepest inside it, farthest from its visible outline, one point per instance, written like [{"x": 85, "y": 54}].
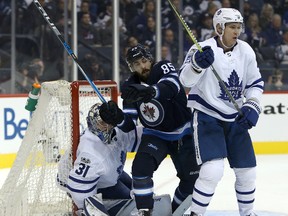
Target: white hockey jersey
[
  {"x": 97, "y": 165},
  {"x": 239, "y": 71}
]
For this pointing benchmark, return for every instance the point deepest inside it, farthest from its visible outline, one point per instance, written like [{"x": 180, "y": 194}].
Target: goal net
[{"x": 55, "y": 127}]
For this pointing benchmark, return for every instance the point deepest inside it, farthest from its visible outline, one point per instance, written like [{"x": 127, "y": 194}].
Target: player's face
[
  {"x": 142, "y": 67},
  {"x": 103, "y": 126},
  {"x": 231, "y": 33}
]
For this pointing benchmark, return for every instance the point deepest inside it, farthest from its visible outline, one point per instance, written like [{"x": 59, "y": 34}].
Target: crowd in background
[{"x": 266, "y": 30}]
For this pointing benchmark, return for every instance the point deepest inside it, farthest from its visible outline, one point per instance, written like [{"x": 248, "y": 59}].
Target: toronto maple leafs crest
[
  {"x": 234, "y": 86},
  {"x": 151, "y": 113}
]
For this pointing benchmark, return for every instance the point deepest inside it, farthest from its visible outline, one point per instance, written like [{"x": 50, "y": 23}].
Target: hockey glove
[
  {"x": 250, "y": 114},
  {"x": 137, "y": 92},
  {"x": 111, "y": 113},
  {"x": 202, "y": 60}
]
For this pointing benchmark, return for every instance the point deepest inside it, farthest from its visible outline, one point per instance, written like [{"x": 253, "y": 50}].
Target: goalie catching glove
[
  {"x": 111, "y": 113},
  {"x": 138, "y": 93},
  {"x": 250, "y": 114},
  {"x": 202, "y": 60}
]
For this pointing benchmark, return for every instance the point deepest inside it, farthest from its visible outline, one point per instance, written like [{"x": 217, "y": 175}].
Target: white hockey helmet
[
  {"x": 226, "y": 15},
  {"x": 97, "y": 126}
]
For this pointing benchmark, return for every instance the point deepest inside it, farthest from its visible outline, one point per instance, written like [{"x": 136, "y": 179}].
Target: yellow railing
[{"x": 6, "y": 160}]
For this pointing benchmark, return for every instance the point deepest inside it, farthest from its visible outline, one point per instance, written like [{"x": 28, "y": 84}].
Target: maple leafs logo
[
  {"x": 149, "y": 112},
  {"x": 233, "y": 86}
]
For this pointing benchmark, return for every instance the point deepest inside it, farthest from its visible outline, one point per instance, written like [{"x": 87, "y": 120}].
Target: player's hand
[
  {"x": 250, "y": 114},
  {"x": 111, "y": 113},
  {"x": 137, "y": 92},
  {"x": 202, "y": 60}
]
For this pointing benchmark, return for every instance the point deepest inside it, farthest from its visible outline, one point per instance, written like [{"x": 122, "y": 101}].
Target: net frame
[{"x": 75, "y": 104}]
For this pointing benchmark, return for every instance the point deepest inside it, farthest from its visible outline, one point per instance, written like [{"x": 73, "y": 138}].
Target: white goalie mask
[
  {"x": 97, "y": 126},
  {"x": 226, "y": 15}
]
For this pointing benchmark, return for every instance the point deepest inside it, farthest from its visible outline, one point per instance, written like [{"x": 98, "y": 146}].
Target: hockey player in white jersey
[
  {"x": 220, "y": 129},
  {"x": 98, "y": 168}
]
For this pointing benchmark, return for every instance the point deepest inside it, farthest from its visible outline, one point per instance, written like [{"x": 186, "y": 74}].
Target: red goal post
[
  {"x": 54, "y": 128},
  {"x": 111, "y": 93}
]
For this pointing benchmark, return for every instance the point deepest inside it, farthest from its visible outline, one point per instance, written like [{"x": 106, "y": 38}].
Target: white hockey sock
[
  {"x": 245, "y": 189},
  {"x": 210, "y": 174}
]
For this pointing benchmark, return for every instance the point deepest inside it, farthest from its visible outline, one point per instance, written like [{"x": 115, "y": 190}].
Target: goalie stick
[
  {"x": 67, "y": 47},
  {"x": 193, "y": 38}
]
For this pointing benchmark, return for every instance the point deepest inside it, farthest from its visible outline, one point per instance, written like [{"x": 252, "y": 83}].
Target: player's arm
[
  {"x": 134, "y": 139},
  {"x": 167, "y": 85},
  {"x": 255, "y": 84},
  {"x": 130, "y": 110},
  {"x": 83, "y": 178},
  {"x": 251, "y": 108},
  {"x": 195, "y": 64}
]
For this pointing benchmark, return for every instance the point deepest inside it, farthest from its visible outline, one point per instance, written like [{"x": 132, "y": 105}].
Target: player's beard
[{"x": 144, "y": 75}]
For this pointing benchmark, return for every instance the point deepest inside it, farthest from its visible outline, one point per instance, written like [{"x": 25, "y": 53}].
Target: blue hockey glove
[
  {"x": 250, "y": 114},
  {"x": 137, "y": 92},
  {"x": 202, "y": 60},
  {"x": 111, "y": 113}
]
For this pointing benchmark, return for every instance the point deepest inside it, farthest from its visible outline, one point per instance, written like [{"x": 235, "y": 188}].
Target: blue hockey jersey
[{"x": 166, "y": 115}]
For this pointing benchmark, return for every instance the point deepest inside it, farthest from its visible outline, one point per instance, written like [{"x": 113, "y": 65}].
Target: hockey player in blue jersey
[
  {"x": 154, "y": 94},
  {"x": 220, "y": 130}
]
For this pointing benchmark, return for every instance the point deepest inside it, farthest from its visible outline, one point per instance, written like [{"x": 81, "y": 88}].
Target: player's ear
[{"x": 219, "y": 29}]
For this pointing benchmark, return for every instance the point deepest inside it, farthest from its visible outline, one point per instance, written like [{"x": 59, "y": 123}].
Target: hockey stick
[
  {"x": 67, "y": 47},
  {"x": 193, "y": 38}
]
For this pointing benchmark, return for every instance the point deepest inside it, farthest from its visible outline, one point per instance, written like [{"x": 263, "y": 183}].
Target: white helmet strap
[
  {"x": 221, "y": 39},
  {"x": 221, "y": 36}
]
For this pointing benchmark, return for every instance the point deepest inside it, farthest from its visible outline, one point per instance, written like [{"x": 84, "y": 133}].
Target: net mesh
[{"x": 30, "y": 187}]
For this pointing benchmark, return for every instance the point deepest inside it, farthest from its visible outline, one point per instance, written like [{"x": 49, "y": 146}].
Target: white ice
[
  {"x": 271, "y": 192},
  {"x": 271, "y": 188}
]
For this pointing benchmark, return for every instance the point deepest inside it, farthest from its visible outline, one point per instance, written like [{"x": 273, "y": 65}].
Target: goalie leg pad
[
  {"x": 183, "y": 207},
  {"x": 93, "y": 206},
  {"x": 162, "y": 207}
]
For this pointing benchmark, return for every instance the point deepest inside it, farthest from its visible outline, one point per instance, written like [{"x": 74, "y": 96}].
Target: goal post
[
  {"x": 108, "y": 89},
  {"x": 54, "y": 128}
]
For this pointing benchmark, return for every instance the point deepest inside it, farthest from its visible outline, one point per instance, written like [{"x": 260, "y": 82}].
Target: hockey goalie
[{"x": 97, "y": 183}]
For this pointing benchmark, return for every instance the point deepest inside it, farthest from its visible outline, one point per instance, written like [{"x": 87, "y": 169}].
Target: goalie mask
[
  {"x": 137, "y": 52},
  {"x": 97, "y": 126},
  {"x": 226, "y": 15}
]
